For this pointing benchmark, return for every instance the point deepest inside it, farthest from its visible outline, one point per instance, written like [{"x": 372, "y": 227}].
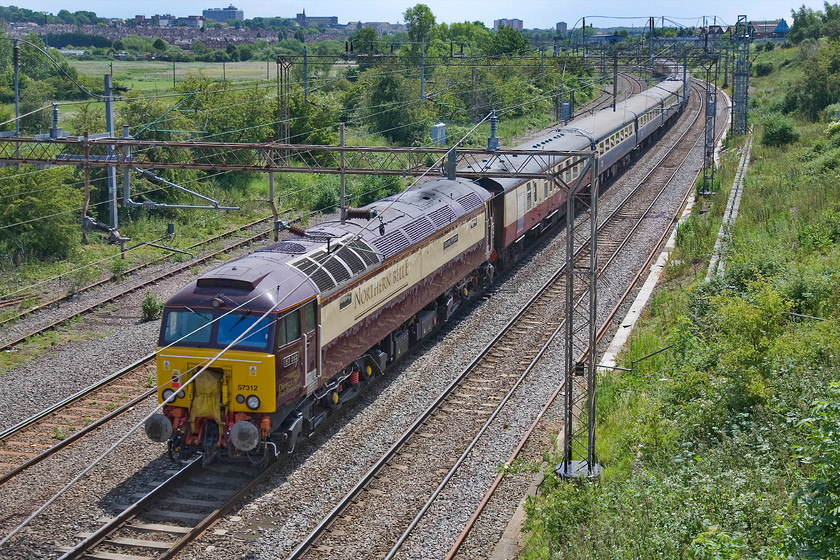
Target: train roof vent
[
  {"x": 312, "y": 268},
  {"x": 419, "y": 229},
  {"x": 364, "y": 251},
  {"x": 287, "y": 247},
  {"x": 322, "y": 279},
  {"x": 335, "y": 266},
  {"x": 351, "y": 259},
  {"x": 392, "y": 242},
  {"x": 442, "y": 216},
  {"x": 470, "y": 201}
]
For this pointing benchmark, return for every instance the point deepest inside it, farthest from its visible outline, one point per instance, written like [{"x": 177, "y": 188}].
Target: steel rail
[
  {"x": 104, "y": 382},
  {"x": 160, "y": 494}
]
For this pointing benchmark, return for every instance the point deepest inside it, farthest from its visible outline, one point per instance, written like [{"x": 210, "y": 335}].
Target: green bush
[
  {"x": 151, "y": 308},
  {"x": 779, "y": 131},
  {"x": 763, "y": 68}
]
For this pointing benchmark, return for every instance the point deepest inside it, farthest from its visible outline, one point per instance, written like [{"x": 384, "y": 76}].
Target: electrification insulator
[
  {"x": 15, "y": 55},
  {"x": 297, "y": 231},
  {"x": 360, "y": 214}
]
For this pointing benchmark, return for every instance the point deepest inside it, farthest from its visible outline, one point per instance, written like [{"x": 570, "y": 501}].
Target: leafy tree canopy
[{"x": 419, "y": 22}]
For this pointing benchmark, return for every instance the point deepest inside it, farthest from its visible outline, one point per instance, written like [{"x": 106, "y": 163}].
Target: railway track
[
  {"x": 181, "y": 267},
  {"x": 430, "y": 453},
  {"x": 51, "y": 430},
  {"x": 173, "y": 514},
  {"x": 16, "y": 300}
]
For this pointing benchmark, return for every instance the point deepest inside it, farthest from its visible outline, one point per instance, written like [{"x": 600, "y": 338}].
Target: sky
[{"x": 533, "y": 13}]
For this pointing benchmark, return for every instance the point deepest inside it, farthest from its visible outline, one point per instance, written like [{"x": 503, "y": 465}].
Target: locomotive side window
[
  {"x": 309, "y": 317},
  {"x": 288, "y": 328},
  {"x": 187, "y": 326}
]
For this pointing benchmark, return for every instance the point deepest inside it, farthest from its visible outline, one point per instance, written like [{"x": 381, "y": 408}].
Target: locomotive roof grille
[
  {"x": 322, "y": 279},
  {"x": 328, "y": 270},
  {"x": 419, "y": 229},
  {"x": 470, "y": 201},
  {"x": 392, "y": 242},
  {"x": 351, "y": 259},
  {"x": 336, "y": 267},
  {"x": 364, "y": 251},
  {"x": 287, "y": 247},
  {"x": 444, "y": 215}
]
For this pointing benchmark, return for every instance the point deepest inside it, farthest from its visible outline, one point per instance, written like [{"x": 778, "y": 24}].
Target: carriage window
[
  {"x": 528, "y": 188},
  {"x": 309, "y": 316},
  {"x": 288, "y": 328}
]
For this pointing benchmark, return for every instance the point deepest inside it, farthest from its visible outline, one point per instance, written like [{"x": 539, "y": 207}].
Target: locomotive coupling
[
  {"x": 244, "y": 436},
  {"x": 158, "y": 428}
]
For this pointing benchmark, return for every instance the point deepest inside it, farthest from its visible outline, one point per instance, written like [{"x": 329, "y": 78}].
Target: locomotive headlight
[
  {"x": 252, "y": 402},
  {"x": 167, "y": 394},
  {"x": 181, "y": 394},
  {"x": 240, "y": 399}
]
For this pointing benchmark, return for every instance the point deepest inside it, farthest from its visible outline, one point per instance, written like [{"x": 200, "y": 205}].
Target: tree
[
  {"x": 806, "y": 25},
  {"x": 392, "y": 103},
  {"x": 300, "y": 34},
  {"x": 366, "y": 41},
  {"x": 159, "y": 45},
  {"x": 507, "y": 40},
  {"x": 419, "y": 21},
  {"x": 31, "y": 196}
]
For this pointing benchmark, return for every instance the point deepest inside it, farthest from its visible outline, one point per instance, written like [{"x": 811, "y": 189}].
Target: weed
[
  {"x": 118, "y": 268},
  {"x": 58, "y": 433},
  {"x": 151, "y": 307}
]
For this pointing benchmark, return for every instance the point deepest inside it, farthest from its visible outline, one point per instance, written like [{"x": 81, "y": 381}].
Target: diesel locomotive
[{"x": 285, "y": 336}]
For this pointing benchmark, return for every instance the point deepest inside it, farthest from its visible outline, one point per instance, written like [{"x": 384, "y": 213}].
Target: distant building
[
  {"x": 308, "y": 21},
  {"x": 768, "y": 29},
  {"x": 562, "y": 27},
  {"x": 513, "y": 23},
  {"x": 381, "y": 27},
  {"x": 223, "y": 14}
]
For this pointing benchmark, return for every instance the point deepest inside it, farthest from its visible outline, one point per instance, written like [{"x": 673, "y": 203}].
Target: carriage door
[{"x": 311, "y": 343}]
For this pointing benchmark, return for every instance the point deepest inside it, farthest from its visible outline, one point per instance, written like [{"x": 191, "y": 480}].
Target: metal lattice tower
[
  {"x": 709, "y": 136},
  {"x": 580, "y": 331},
  {"x": 740, "y": 76},
  {"x": 283, "y": 66}
]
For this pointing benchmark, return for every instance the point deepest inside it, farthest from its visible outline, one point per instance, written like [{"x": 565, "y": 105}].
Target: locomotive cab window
[
  {"x": 234, "y": 325},
  {"x": 187, "y": 327},
  {"x": 288, "y": 328}
]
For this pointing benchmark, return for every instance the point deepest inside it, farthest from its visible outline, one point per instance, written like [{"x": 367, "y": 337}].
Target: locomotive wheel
[{"x": 176, "y": 450}]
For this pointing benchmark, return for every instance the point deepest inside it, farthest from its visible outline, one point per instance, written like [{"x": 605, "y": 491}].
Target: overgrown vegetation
[
  {"x": 151, "y": 307},
  {"x": 724, "y": 446}
]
